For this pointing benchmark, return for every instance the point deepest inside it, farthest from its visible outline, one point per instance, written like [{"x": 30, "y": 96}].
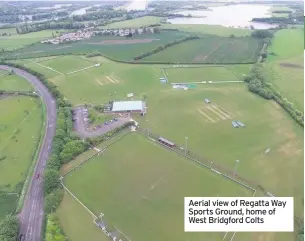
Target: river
[{"x": 237, "y": 16}]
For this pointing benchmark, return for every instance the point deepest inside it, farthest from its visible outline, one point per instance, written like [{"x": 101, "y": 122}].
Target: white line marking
[{"x": 80, "y": 69}]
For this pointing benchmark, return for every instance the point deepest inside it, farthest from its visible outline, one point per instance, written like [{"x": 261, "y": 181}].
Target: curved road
[{"x": 31, "y": 215}]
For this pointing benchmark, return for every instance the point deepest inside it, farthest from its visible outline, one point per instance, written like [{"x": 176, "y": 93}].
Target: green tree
[
  {"x": 51, "y": 181},
  {"x": 53, "y": 200}
]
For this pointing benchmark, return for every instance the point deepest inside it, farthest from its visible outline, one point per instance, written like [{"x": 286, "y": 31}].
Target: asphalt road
[{"x": 31, "y": 216}]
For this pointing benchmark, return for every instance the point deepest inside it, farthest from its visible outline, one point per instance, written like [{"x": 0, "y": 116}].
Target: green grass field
[
  {"x": 211, "y": 50},
  {"x": 17, "y": 41},
  {"x": 8, "y": 30},
  {"x": 66, "y": 64},
  {"x": 202, "y": 29},
  {"x": 12, "y": 82},
  {"x": 76, "y": 222},
  {"x": 294, "y": 38},
  {"x": 97, "y": 85},
  {"x": 285, "y": 69},
  {"x": 19, "y": 136},
  {"x": 98, "y": 118},
  {"x": 176, "y": 114},
  {"x": 8, "y": 204},
  {"x": 139, "y": 185},
  {"x": 206, "y": 73},
  {"x": 135, "y": 23}
]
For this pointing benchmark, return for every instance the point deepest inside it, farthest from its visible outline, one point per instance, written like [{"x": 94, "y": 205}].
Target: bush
[
  {"x": 50, "y": 181},
  {"x": 262, "y": 34},
  {"x": 72, "y": 149},
  {"x": 9, "y": 228},
  {"x": 53, "y": 200},
  {"x": 53, "y": 230}
]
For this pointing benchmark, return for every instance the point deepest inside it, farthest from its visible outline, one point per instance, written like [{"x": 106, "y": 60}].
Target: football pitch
[
  {"x": 203, "y": 73},
  {"x": 65, "y": 64},
  {"x": 140, "y": 188}
]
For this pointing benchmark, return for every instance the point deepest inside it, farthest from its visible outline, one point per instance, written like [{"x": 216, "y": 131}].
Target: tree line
[
  {"x": 103, "y": 14},
  {"x": 257, "y": 84},
  {"x": 35, "y": 27},
  {"x": 160, "y": 48}
]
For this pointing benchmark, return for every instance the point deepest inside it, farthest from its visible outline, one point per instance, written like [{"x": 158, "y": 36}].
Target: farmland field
[
  {"x": 17, "y": 41},
  {"x": 280, "y": 8},
  {"x": 286, "y": 67},
  {"x": 12, "y": 82},
  {"x": 135, "y": 23},
  {"x": 112, "y": 46},
  {"x": 211, "y": 50},
  {"x": 16, "y": 151},
  {"x": 294, "y": 38},
  {"x": 209, "y": 29},
  {"x": 134, "y": 201}
]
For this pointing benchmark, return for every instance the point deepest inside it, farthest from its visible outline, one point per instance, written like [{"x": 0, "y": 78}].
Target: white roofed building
[{"x": 129, "y": 106}]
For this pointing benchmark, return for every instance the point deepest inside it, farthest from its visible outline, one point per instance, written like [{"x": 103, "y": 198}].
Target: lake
[{"x": 236, "y": 16}]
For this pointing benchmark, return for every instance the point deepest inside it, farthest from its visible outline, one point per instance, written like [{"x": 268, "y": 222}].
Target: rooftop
[{"x": 128, "y": 105}]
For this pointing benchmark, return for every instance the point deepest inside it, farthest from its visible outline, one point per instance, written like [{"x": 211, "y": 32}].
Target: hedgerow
[{"x": 256, "y": 82}]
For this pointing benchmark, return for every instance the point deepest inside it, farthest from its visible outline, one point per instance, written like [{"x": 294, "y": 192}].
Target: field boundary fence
[
  {"x": 189, "y": 155},
  {"x": 98, "y": 221},
  {"x": 217, "y": 168},
  {"x": 96, "y": 154}
]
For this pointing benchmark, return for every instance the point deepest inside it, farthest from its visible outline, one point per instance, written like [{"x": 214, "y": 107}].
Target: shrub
[
  {"x": 53, "y": 230},
  {"x": 9, "y": 228},
  {"x": 51, "y": 180},
  {"x": 53, "y": 200}
]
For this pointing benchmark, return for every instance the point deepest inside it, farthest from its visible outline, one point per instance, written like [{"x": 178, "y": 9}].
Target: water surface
[{"x": 237, "y": 16}]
